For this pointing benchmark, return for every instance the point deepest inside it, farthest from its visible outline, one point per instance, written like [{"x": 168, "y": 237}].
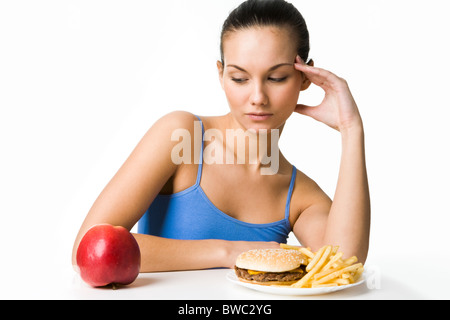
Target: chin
[
  {"x": 265, "y": 126},
  {"x": 257, "y": 125}
]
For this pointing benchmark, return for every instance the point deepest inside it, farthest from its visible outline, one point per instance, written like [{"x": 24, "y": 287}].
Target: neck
[{"x": 258, "y": 150}]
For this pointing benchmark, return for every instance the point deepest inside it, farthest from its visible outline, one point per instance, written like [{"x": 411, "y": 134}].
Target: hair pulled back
[{"x": 261, "y": 13}]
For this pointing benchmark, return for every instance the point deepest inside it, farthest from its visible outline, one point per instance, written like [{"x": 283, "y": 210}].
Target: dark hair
[{"x": 261, "y": 13}]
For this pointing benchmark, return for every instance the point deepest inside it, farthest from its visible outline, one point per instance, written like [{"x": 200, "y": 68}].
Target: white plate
[{"x": 290, "y": 291}]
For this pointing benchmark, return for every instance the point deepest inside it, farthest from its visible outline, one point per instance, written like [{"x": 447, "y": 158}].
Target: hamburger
[{"x": 270, "y": 266}]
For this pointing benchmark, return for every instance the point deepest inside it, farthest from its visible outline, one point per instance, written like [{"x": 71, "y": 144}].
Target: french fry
[
  {"x": 317, "y": 263},
  {"x": 324, "y": 258},
  {"x": 351, "y": 260},
  {"x": 323, "y": 273},
  {"x": 335, "y": 250},
  {"x": 340, "y": 281},
  {"x": 288, "y": 247},
  {"x": 302, "y": 283},
  {"x": 315, "y": 260},
  {"x": 307, "y": 252},
  {"x": 348, "y": 276},
  {"x": 339, "y": 272},
  {"x": 358, "y": 274},
  {"x": 333, "y": 260},
  {"x": 326, "y": 268}
]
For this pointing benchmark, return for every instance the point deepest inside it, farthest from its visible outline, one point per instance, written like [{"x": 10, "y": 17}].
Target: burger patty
[{"x": 270, "y": 276}]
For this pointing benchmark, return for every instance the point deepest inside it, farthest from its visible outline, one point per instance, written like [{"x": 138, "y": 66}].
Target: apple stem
[{"x": 114, "y": 287}]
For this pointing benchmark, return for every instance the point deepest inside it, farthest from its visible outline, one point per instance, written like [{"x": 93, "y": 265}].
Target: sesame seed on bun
[{"x": 271, "y": 260}]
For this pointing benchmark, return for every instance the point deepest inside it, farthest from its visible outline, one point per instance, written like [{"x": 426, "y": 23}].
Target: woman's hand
[
  {"x": 338, "y": 108},
  {"x": 235, "y": 248}
]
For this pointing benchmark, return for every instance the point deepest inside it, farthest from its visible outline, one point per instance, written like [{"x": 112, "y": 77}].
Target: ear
[
  {"x": 220, "y": 70},
  {"x": 306, "y": 82}
]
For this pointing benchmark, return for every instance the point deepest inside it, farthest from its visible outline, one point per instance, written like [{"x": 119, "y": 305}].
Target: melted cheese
[{"x": 255, "y": 272}]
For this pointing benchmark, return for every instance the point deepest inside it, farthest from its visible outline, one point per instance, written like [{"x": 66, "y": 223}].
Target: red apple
[{"x": 108, "y": 255}]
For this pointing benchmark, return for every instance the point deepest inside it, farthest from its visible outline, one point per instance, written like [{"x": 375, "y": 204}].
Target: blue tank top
[{"x": 190, "y": 215}]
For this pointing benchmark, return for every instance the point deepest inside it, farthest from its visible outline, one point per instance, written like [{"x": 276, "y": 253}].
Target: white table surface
[{"x": 388, "y": 278}]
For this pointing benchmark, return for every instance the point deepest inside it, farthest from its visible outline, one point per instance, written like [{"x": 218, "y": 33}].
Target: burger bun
[{"x": 271, "y": 260}]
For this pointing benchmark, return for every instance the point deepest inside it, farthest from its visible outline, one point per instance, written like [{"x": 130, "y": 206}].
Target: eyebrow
[{"x": 271, "y": 69}]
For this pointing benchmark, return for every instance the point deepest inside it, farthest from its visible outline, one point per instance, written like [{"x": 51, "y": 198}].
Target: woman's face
[{"x": 258, "y": 76}]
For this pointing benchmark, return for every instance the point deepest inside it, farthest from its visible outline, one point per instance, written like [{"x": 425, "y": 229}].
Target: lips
[{"x": 259, "y": 116}]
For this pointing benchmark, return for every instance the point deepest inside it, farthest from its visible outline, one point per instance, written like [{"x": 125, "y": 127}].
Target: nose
[{"x": 258, "y": 97}]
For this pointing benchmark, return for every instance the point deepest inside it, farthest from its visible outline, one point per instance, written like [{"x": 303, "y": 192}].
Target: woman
[{"x": 197, "y": 213}]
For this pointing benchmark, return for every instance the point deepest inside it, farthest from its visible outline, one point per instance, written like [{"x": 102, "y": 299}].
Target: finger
[
  {"x": 306, "y": 110},
  {"x": 320, "y": 77},
  {"x": 299, "y": 60}
]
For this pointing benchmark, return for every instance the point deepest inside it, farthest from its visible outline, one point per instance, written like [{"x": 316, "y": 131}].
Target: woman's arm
[
  {"x": 161, "y": 254},
  {"x": 347, "y": 222},
  {"x": 349, "y": 217},
  {"x": 131, "y": 191}
]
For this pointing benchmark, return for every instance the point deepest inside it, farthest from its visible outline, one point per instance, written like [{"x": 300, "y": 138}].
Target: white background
[{"x": 82, "y": 81}]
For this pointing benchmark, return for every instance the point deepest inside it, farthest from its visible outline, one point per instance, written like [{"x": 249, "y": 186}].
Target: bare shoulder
[
  {"x": 306, "y": 183},
  {"x": 176, "y": 120},
  {"x": 168, "y": 130},
  {"x": 155, "y": 147}
]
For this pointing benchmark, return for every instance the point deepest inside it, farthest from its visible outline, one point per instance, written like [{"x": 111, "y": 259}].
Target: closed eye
[
  {"x": 277, "y": 79},
  {"x": 239, "y": 80}
]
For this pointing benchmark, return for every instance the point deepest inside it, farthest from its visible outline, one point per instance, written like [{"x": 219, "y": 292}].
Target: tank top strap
[
  {"x": 200, "y": 162},
  {"x": 289, "y": 196}
]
